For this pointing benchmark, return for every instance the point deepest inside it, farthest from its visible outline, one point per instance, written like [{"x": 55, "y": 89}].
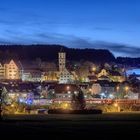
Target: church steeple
[{"x": 62, "y": 61}]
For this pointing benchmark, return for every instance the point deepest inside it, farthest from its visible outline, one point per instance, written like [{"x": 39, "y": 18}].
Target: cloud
[
  {"x": 115, "y": 48},
  {"x": 67, "y": 40}
]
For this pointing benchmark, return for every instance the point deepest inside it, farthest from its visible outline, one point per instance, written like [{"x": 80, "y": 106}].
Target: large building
[
  {"x": 64, "y": 75},
  {"x": 12, "y": 71}
]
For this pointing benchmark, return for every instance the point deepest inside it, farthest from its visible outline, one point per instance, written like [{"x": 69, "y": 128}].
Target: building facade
[
  {"x": 64, "y": 75},
  {"x": 12, "y": 71}
]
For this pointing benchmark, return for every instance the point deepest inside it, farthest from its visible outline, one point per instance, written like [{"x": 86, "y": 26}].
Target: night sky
[{"x": 109, "y": 24}]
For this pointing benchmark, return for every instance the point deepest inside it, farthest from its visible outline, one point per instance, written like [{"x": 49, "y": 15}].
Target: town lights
[
  {"x": 65, "y": 106},
  {"x": 116, "y": 104},
  {"x": 94, "y": 69},
  {"x": 12, "y": 105},
  {"x": 117, "y": 88},
  {"x": 90, "y": 90},
  {"x": 126, "y": 88},
  {"x": 68, "y": 87}
]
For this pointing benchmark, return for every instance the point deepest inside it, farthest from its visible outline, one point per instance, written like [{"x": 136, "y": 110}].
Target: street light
[
  {"x": 117, "y": 88},
  {"x": 117, "y": 91},
  {"x": 117, "y": 106},
  {"x": 126, "y": 88},
  {"x": 94, "y": 69},
  {"x": 68, "y": 87},
  {"x": 90, "y": 90}
]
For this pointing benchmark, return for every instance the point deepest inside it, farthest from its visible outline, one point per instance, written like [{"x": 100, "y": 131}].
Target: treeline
[
  {"x": 50, "y": 53},
  {"x": 135, "y": 62}
]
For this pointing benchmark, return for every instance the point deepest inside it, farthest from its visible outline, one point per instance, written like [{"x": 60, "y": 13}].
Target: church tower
[
  {"x": 64, "y": 75},
  {"x": 62, "y": 61}
]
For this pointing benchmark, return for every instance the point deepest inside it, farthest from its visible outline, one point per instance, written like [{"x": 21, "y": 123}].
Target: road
[{"x": 103, "y": 126}]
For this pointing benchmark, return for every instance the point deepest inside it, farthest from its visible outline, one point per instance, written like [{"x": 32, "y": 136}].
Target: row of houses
[{"x": 16, "y": 70}]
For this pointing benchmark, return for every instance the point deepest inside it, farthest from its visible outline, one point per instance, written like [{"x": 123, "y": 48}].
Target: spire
[{"x": 61, "y": 49}]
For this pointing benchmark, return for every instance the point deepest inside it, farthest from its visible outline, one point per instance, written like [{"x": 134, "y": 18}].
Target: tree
[
  {"x": 78, "y": 101},
  {"x": 3, "y": 99}
]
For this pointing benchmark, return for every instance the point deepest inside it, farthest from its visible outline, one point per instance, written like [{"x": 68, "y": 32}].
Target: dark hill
[{"x": 50, "y": 53}]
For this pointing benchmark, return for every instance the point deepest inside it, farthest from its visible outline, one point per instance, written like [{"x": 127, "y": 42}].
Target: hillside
[{"x": 50, "y": 53}]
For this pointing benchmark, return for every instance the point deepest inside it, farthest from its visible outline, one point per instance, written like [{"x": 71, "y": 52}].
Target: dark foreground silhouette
[
  {"x": 66, "y": 111},
  {"x": 69, "y": 126}
]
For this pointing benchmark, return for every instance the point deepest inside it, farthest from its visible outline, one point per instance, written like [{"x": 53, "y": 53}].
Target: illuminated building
[
  {"x": 11, "y": 71},
  {"x": 103, "y": 73},
  {"x": 65, "y": 91},
  {"x": 64, "y": 75}
]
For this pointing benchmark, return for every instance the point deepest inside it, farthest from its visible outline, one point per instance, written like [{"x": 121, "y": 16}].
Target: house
[
  {"x": 32, "y": 75},
  {"x": 115, "y": 76},
  {"x": 12, "y": 71},
  {"x": 65, "y": 91}
]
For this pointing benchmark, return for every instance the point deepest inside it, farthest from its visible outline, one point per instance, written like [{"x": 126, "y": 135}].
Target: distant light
[
  {"x": 90, "y": 89},
  {"x": 65, "y": 106},
  {"x": 68, "y": 87},
  {"x": 126, "y": 88},
  {"x": 69, "y": 92},
  {"x": 103, "y": 95},
  {"x": 111, "y": 96},
  {"x": 12, "y": 105},
  {"x": 21, "y": 100},
  {"x": 94, "y": 69},
  {"x": 116, "y": 104}
]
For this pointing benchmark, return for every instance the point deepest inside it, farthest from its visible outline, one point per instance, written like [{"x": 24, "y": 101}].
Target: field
[{"x": 108, "y": 125}]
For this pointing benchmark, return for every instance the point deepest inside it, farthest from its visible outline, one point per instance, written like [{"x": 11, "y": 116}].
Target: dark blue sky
[{"x": 111, "y": 24}]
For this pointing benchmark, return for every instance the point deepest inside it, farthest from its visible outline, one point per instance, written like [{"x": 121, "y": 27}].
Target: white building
[{"x": 64, "y": 75}]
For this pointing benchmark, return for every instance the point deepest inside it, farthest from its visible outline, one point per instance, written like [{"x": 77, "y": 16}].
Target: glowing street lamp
[
  {"x": 65, "y": 106},
  {"x": 90, "y": 90},
  {"x": 126, "y": 88},
  {"x": 94, "y": 69},
  {"x": 68, "y": 87},
  {"x": 117, "y": 106},
  {"x": 117, "y": 88},
  {"x": 12, "y": 105}
]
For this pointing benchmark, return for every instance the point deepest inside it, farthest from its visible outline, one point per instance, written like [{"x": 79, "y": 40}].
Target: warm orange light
[
  {"x": 115, "y": 104},
  {"x": 126, "y": 88},
  {"x": 118, "y": 87},
  {"x": 68, "y": 87},
  {"x": 94, "y": 69},
  {"x": 65, "y": 106},
  {"x": 12, "y": 105},
  {"x": 90, "y": 89}
]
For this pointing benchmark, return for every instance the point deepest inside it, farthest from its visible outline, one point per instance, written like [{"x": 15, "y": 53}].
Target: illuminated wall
[{"x": 11, "y": 71}]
